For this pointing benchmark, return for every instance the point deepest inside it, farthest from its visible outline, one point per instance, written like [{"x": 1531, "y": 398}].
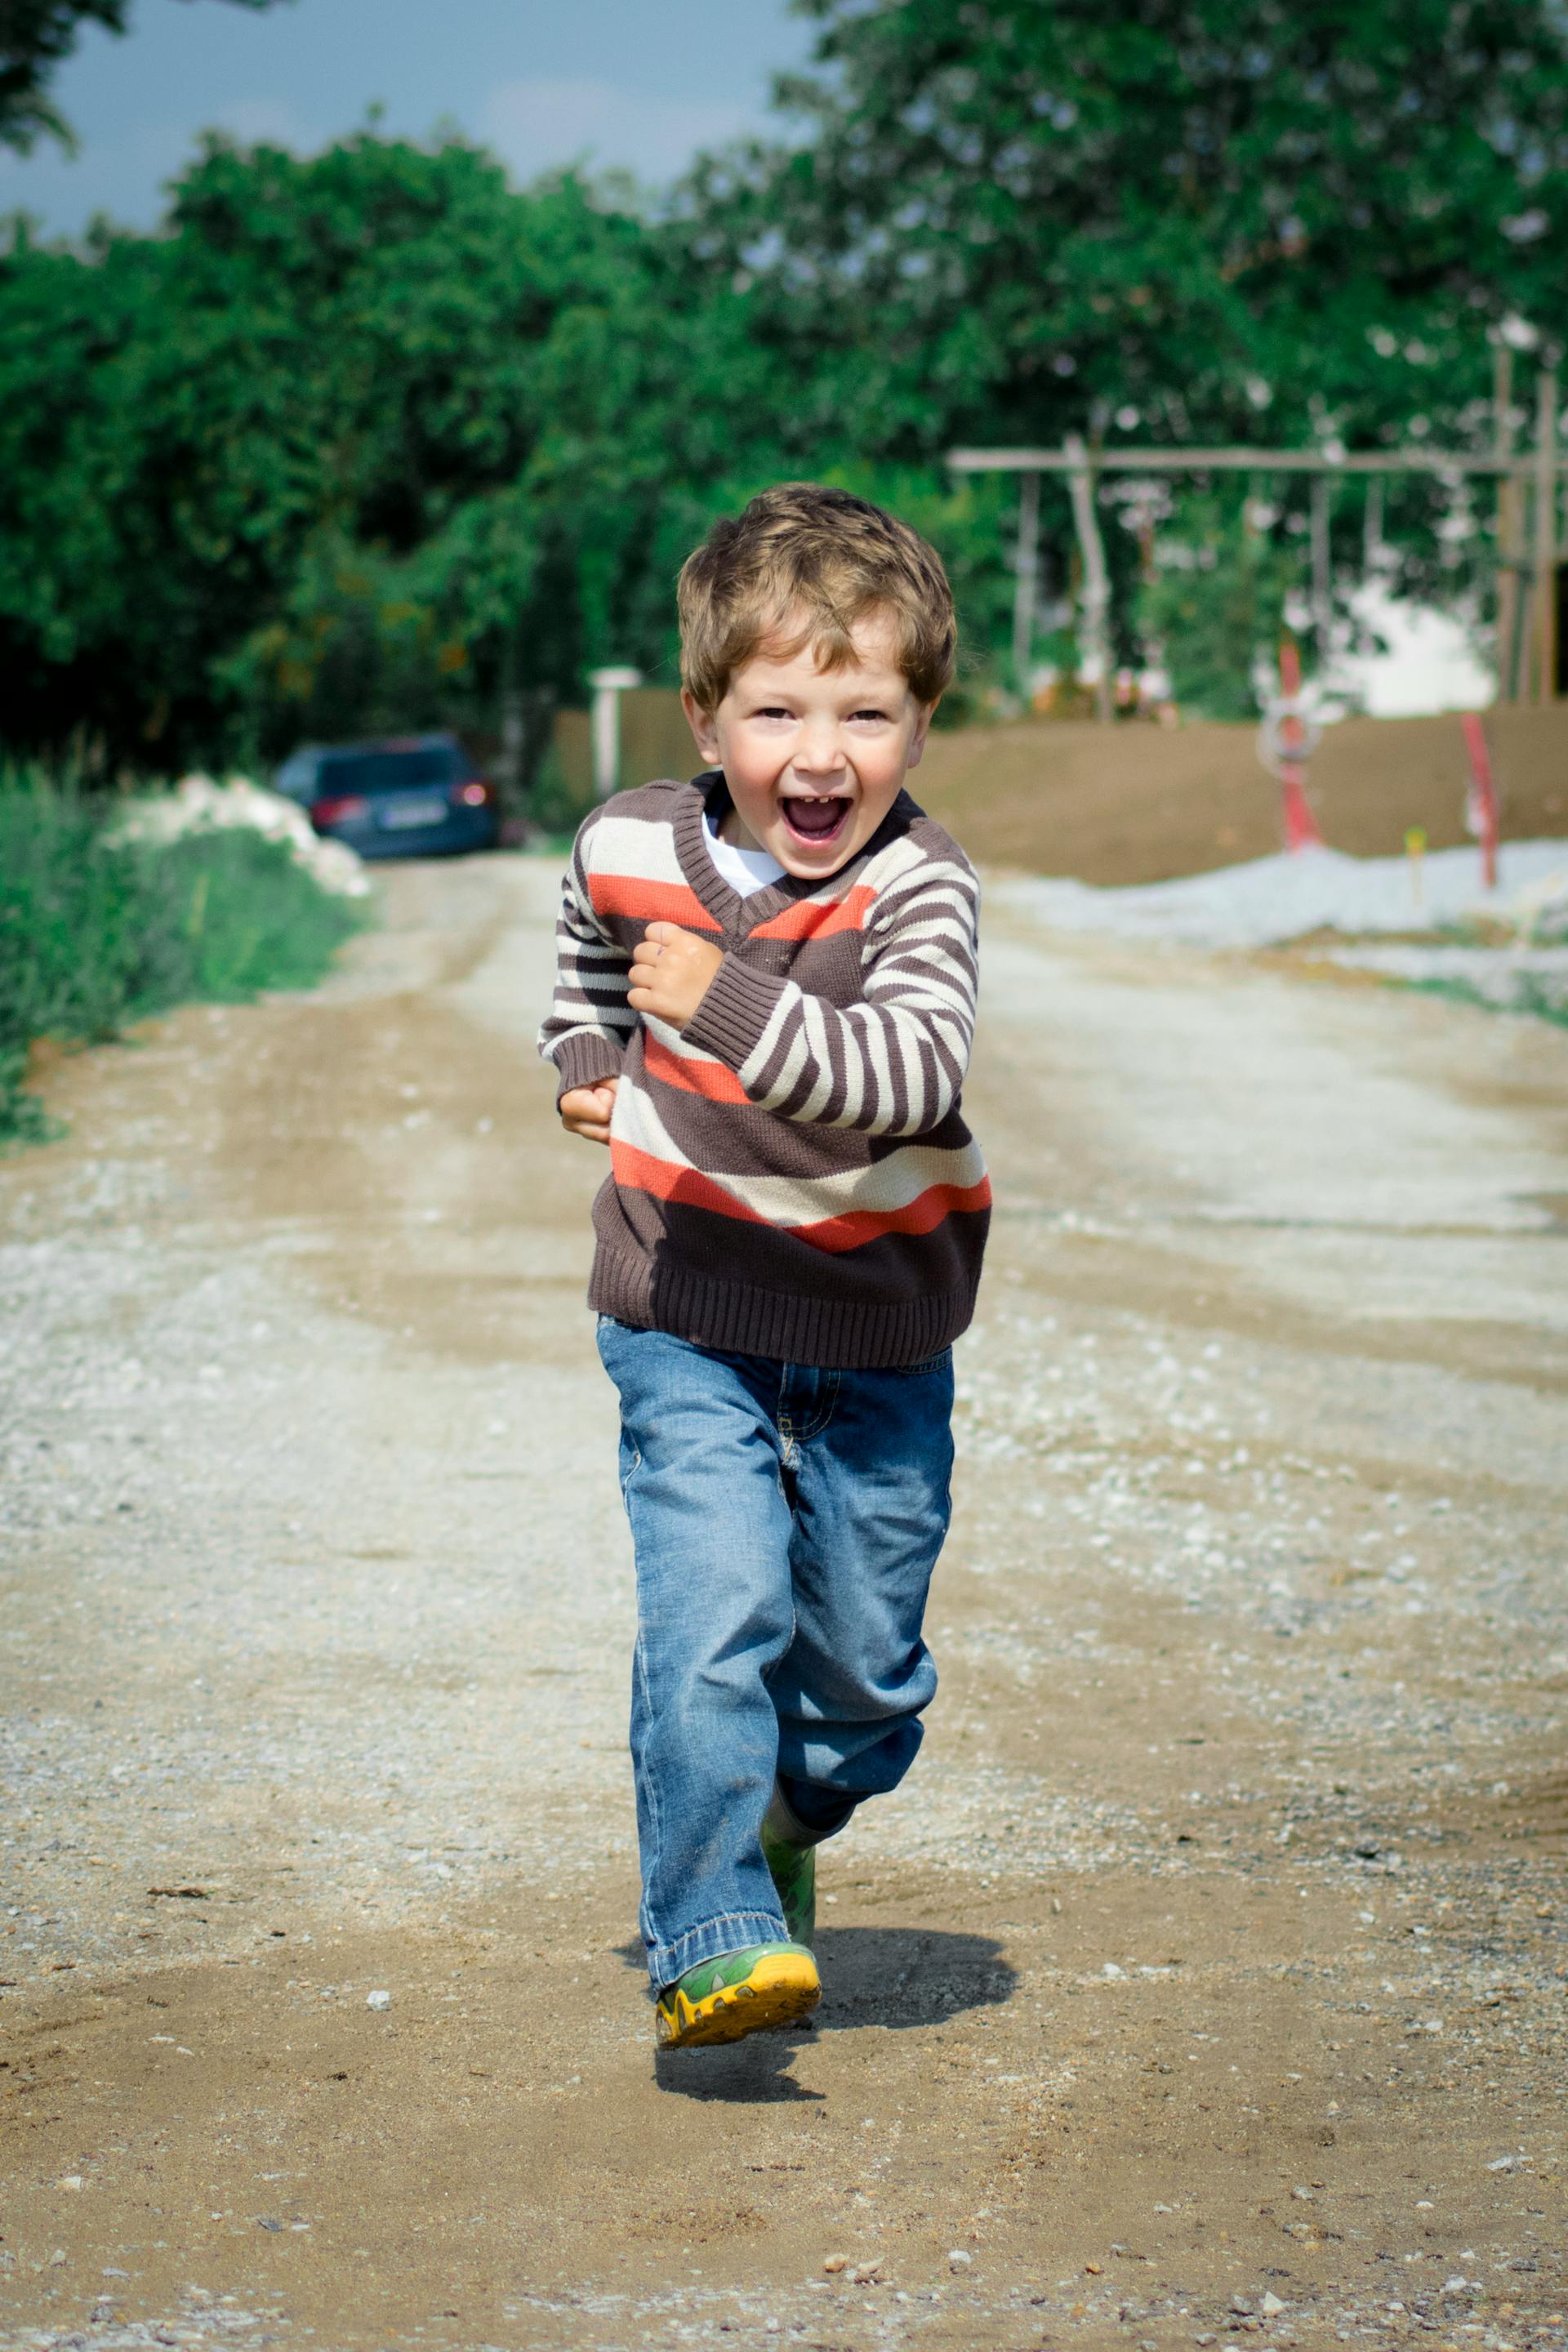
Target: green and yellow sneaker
[
  {"x": 737, "y": 1994},
  {"x": 793, "y": 1869}
]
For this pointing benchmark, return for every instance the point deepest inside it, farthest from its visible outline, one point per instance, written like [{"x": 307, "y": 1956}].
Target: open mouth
[{"x": 816, "y": 819}]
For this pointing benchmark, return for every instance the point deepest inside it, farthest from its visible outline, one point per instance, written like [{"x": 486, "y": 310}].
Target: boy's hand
[
  {"x": 585, "y": 1110},
  {"x": 672, "y": 972}
]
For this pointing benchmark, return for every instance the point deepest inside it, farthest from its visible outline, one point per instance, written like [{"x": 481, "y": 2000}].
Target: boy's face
[{"x": 815, "y": 758}]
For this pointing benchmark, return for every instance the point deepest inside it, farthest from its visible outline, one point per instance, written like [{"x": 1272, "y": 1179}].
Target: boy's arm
[
  {"x": 585, "y": 1035},
  {"x": 892, "y": 1065}
]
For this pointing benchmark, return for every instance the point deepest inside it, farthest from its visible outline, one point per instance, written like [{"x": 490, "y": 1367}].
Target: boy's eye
[
  {"x": 773, "y": 711},
  {"x": 868, "y": 714}
]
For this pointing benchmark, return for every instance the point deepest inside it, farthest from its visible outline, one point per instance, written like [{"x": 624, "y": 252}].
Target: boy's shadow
[{"x": 892, "y": 1977}]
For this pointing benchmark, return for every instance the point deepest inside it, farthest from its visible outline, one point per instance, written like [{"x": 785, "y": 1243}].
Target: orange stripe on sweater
[
  {"x": 641, "y": 1171},
  {"x": 920, "y": 1216},
  {"x": 819, "y": 919},
  {"x": 650, "y": 902},
  {"x": 715, "y": 1080}
]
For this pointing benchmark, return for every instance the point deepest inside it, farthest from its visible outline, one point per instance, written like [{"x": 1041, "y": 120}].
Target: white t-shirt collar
[{"x": 746, "y": 870}]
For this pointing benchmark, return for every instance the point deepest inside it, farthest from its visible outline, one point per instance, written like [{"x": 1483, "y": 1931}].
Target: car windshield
[
  {"x": 388, "y": 770},
  {"x": 296, "y": 776}
]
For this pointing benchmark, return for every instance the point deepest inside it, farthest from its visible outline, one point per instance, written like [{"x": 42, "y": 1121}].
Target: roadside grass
[
  {"x": 97, "y": 932},
  {"x": 1531, "y": 995}
]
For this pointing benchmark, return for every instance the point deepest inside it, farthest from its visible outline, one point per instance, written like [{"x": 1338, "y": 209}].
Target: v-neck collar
[{"x": 737, "y": 916}]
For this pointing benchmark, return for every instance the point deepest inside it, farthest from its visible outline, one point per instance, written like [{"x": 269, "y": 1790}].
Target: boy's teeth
[{"x": 816, "y": 813}]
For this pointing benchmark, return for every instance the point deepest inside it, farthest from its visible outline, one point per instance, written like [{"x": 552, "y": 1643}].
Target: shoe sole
[{"x": 780, "y": 1989}]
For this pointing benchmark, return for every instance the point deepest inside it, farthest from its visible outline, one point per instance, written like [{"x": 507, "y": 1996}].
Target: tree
[
  {"x": 1011, "y": 217},
  {"x": 36, "y": 35},
  {"x": 355, "y": 440},
  {"x": 1215, "y": 606},
  {"x": 1282, "y": 221},
  {"x": 371, "y": 437}
]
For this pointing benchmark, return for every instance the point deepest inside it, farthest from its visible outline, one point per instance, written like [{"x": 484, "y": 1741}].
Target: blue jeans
[{"x": 787, "y": 1519}]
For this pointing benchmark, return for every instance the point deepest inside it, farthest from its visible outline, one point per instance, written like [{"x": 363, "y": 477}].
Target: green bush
[
  {"x": 1217, "y": 607},
  {"x": 558, "y": 802},
  {"x": 97, "y": 931}
]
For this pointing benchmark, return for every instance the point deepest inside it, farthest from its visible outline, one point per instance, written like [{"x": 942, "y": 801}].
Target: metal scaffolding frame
[{"x": 1527, "y": 646}]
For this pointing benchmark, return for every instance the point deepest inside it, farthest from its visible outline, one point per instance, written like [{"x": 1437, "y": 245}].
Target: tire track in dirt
[{"x": 1211, "y": 1957}]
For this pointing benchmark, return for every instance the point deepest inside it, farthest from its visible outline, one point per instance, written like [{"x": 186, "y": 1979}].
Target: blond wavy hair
[{"x": 803, "y": 565}]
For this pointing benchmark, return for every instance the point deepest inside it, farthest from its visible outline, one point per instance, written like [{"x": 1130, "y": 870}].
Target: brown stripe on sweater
[{"x": 837, "y": 1211}]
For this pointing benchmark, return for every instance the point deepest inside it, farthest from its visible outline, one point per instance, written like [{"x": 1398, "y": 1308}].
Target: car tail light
[
  {"x": 475, "y": 793},
  {"x": 343, "y": 808}
]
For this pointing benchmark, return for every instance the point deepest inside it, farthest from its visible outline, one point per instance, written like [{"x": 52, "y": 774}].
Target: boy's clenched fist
[
  {"x": 588, "y": 1110},
  {"x": 672, "y": 972}
]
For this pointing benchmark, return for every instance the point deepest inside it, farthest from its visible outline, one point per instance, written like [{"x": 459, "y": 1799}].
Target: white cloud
[
  {"x": 534, "y": 125},
  {"x": 265, "y": 123}
]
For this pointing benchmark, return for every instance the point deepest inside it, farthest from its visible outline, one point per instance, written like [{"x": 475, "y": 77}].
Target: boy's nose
[{"x": 821, "y": 755}]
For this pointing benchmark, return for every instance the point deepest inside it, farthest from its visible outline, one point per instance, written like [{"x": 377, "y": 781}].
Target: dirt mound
[{"x": 1137, "y": 803}]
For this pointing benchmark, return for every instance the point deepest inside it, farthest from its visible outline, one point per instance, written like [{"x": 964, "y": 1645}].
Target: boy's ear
[
  {"x": 923, "y": 729},
  {"x": 700, "y": 722}
]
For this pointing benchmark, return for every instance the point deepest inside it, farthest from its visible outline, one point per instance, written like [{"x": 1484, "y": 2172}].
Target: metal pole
[
  {"x": 1323, "y": 581},
  {"x": 1371, "y": 539},
  {"x": 1546, "y": 536},
  {"x": 1121, "y": 460},
  {"x": 1508, "y": 519},
  {"x": 1520, "y": 652},
  {"x": 1371, "y": 558},
  {"x": 1096, "y": 579},
  {"x": 1026, "y": 584}
]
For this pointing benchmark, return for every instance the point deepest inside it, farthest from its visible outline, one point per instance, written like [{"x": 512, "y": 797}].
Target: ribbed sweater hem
[{"x": 830, "y": 1332}]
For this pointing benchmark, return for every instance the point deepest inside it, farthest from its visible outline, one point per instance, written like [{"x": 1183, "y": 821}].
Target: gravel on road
[{"x": 1205, "y": 1981}]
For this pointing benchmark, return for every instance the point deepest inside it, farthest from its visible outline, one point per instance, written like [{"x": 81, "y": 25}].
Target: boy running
[{"x": 763, "y": 1005}]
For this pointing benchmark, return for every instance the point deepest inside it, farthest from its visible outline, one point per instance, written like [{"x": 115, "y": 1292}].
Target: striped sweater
[{"x": 790, "y": 1175}]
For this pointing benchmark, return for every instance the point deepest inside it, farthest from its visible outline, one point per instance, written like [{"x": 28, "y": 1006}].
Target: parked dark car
[{"x": 404, "y": 796}]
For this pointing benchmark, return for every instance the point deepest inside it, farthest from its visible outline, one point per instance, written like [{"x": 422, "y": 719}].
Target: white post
[
  {"x": 609, "y": 685},
  {"x": 1096, "y": 579}
]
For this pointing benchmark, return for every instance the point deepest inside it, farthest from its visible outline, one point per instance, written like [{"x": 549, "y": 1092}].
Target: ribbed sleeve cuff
[
  {"x": 584, "y": 1062},
  {"x": 738, "y": 1006}
]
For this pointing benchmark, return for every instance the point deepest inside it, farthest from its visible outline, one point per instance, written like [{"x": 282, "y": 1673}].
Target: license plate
[{"x": 403, "y": 814}]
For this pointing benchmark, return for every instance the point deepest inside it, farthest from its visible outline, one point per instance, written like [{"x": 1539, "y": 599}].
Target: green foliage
[
  {"x": 97, "y": 930},
  {"x": 373, "y": 439},
  {"x": 1532, "y": 993},
  {"x": 369, "y": 430},
  {"x": 36, "y": 35},
  {"x": 558, "y": 803},
  {"x": 1050, "y": 213},
  {"x": 1215, "y": 606}
]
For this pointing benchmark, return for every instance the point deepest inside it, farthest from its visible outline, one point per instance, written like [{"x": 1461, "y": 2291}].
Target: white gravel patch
[{"x": 1274, "y": 900}]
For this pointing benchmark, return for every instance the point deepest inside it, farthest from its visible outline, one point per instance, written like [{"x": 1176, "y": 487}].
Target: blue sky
[{"x": 629, "y": 83}]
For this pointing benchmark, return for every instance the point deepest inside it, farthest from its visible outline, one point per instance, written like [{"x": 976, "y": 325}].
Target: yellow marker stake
[{"x": 1415, "y": 850}]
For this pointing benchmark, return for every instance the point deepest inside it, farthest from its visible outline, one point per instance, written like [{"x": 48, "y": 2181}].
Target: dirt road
[{"x": 1205, "y": 1983}]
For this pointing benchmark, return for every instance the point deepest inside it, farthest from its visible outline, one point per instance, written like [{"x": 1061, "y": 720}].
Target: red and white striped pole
[
  {"x": 1300, "y": 825},
  {"x": 1480, "y": 801}
]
